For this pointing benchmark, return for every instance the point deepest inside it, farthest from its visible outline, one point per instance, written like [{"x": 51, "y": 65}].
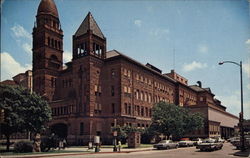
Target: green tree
[
  {"x": 194, "y": 121},
  {"x": 170, "y": 119},
  {"x": 123, "y": 132},
  {"x": 148, "y": 134},
  {"x": 22, "y": 110},
  {"x": 37, "y": 113},
  {"x": 10, "y": 105}
]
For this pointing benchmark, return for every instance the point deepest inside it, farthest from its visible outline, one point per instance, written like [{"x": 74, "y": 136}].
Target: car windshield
[
  {"x": 163, "y": 141},
  {"x": 208, "y": 141}
]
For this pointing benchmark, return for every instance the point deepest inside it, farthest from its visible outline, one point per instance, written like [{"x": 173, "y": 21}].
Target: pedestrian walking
[
  {"x": 64, "y": 143},
  {"x": 60, "y": 144},
  {"x": 119, "y": 145}
]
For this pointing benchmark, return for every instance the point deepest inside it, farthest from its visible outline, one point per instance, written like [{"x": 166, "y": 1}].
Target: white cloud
[
  {"x": 232, "y": 102},
  {"x": 193, "y": 66},
  {"x": 67, "y": 56},
  {"x": 138, "y": 23},
  {"x": 248, "y": 41},
  {"x": 150, "y": 9},
  {"x": 10, "y": 67},
  {"x": 27, "y": 48},
  {"x": 23, "y": 38},
  {"x": 19, "y": 31},
  {"x": 246, "y": 68},
  {"x": 203, "y": 48},
  {"x": 248, "y": 44},
  {"x": 248, "y": 86},
  {"x": 158, "y": 32}
]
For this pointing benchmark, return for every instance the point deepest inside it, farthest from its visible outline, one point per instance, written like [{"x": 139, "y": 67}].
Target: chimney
[{"x": 199, "y": 84}]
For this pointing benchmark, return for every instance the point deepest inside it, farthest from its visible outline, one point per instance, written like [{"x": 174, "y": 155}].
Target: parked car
[
  {"x": 185, "y": 142},
  {"x": 230, "y": 139},
  {"x": 166, "y": 144},
  {"x": 234, "y": 139},
  {"x": 210, "y": 144},
  {"x": 219, "y": 139},
  {"x": 197, "y": 141},
  {"x": 237, "y": 143}
]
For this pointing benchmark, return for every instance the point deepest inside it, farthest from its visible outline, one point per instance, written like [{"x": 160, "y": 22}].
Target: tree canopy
[
  {"x": 170, "y": 119},
  {"x": 22, "y": 111},
  {"x": 123, "y": 132}
]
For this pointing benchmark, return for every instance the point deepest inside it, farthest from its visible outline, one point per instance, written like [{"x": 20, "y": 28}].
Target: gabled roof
[
  {"x": 89, "y": 23},
  {"x": 199, "y": 89},
  {"x": 196, "y": 88}
]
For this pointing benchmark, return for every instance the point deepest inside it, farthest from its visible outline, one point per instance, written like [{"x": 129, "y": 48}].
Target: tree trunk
[{"x": 8, "y": 142}]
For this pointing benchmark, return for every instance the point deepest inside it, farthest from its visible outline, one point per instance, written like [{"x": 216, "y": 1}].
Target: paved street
[{"x": 191, "y": 152}]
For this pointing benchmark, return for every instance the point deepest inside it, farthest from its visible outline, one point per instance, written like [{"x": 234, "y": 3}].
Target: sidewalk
[
  {"x": 80, "y": 151},
  {"x": 243, "y": 154}
]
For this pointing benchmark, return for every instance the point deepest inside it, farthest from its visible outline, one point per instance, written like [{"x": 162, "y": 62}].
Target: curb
[{"x": 72, "y": 154}]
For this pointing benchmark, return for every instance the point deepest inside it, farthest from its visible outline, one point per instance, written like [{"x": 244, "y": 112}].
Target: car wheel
[{"x": 167, "y": 147}]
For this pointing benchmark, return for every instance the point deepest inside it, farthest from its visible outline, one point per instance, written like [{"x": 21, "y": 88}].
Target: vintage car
[
  {"x": 234, "y": 139},
  {"x": 185, "y": 142},
  {"x": 166, "y": 144},
  {"x": 197, "y": 141},
  {"x": 219, "y": 139},
  {"x": 210, "y": 144},
  {"x": 237, "y": 143}
]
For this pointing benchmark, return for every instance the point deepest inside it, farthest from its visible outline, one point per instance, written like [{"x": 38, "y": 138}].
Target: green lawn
[{"x": 146, "y": 145}]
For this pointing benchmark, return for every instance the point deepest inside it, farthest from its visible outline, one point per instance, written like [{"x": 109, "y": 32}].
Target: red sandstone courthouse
[{"x": 101, "y": 88}]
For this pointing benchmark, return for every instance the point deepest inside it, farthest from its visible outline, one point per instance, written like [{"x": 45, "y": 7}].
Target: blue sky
[{"x": 201, "y": 33}]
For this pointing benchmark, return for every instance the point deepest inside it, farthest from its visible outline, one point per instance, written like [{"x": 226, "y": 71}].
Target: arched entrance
[{"x": 59, "y": 129}]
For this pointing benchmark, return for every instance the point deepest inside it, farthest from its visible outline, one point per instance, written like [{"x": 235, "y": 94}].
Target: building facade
[{"x": 99, "y": 89}]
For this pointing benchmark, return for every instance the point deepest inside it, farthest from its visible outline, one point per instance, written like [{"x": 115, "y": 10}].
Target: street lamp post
[{"x": 241, "y": 113}]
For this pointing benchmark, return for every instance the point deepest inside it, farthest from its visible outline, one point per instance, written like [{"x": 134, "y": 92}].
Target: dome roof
[{"x": 47, "y": 7}]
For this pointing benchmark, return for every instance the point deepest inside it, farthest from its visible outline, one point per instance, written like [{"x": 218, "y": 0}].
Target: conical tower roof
[{"x": 89, "y": 23}]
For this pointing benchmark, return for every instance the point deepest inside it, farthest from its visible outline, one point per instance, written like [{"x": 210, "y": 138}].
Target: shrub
[
  {"x": 23, "y": 146},
  {"x": 49, "y": 142}
]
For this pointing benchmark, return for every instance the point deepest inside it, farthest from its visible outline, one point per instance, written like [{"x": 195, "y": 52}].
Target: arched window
[
  {"x": 48, "y": 41},
  {"x": 59, "y": 45},
  {"x": 142, "y": 95},
  {"x": 54, "y": 24},
  {"x": 53, "y": 57},
  {"x": 52, "y": 42},
  {"x": 55, "y": 43}
]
